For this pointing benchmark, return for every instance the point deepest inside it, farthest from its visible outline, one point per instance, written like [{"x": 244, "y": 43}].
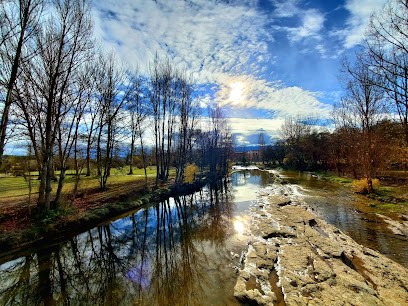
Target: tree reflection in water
[{"x": 170, "y": 253}]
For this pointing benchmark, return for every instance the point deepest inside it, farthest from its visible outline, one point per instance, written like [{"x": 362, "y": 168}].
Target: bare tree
[
  {"x": 387, "y": 50},
  {"x": 261, "y": 142},
  {"x": 219, "y": 142},
  {"x": 294, "y": 128},
  {"x": 114, "y": 90},
  {"x": 68, "y": 129},
  {"x": 19, "y": 20},
  {"x": 91, "y": 112},
  {"x": 163, "y": 99},
  {"x": 360, "y": 110},
  {"x": 188, "y": 118},
  {"x": 47, "y": 91},
  {"x": 293, "y": 131},
  {"x": 138, "y": 115}
]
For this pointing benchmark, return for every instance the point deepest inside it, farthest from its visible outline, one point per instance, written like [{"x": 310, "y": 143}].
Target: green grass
[
  {"x": 341, "y": 180},
  {"x": 388, "y": 200},
  {"x": 114, "y": 171},
  {"x": 123, "y": 193},
  {"x": 332, "y": 178},
  {"x": 14, "y": 190},
  {"x": 388, "y": 194},
  {"x": 388, "y": 208}
]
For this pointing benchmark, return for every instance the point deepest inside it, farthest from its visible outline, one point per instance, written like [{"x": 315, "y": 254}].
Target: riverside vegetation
[
  {"x": 77, "y": 110},
  {"x": 24, "y": 225}
]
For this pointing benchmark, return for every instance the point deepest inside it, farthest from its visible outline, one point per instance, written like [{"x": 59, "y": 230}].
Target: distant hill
[
  {"x": 249, "y": 147},
  {"x": 251, "y": 142}
]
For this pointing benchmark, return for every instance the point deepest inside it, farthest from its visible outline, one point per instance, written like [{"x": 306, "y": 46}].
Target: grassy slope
[
  {"x": 15, "y": 191},
  {"x": 123, "y": 193}
]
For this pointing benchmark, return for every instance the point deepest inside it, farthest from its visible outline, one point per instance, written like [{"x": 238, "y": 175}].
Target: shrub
[
  {"x": 189, "y": 173},
  {"x": 17, "y": 169},
  {"x": 361, "y": 186}
]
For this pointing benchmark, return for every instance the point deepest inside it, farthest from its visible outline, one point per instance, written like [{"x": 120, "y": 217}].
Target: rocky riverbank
[{"x": 296, "y": 258}]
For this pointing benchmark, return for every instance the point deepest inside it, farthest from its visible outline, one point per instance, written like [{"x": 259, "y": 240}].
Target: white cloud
[
  {"x": 312, "y": 24},
  {"x": 217, "y": 42},
  {"x": 286, "y": 8},
  {"x": 253, "y": 126},
  {"x": 360, "y": 13},
  {"x": 210, "y": 38},
  {"x": 269, "y": 96},
  {"x": 311, "y": 20}
]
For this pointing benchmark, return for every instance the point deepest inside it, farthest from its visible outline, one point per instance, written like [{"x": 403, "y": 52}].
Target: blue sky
[{"x": 261, "y": 60}]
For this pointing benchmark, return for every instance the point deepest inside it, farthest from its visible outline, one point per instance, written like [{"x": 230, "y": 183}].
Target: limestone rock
[{"x": 298, "y": 257}]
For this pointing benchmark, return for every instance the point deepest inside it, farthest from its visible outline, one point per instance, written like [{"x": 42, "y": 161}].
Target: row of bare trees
[
  {"x": 71, "y": 101},
  {"x": 174, "y": 113},
  {"x": 344, "y": 151},
  {"x": 18, "y": 22},
  {"x": 46, "y": 89},
  {"x": 377, "y": 88}
]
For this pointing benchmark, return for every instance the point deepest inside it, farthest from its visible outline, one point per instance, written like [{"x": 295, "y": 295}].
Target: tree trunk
[
  {"x": 370, "y": 188},
  {"x": 13, "y": 77},
  {"x": 143, "y": 156},
  {"x": 88, "y": 158},
  {"x": 60, "y": 186},
  {"x": 132, "y": 148},
  {"x": 77, "y": 171}
]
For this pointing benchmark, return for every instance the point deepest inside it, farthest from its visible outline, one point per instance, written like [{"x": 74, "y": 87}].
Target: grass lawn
[{"x": 15, "y": 191}]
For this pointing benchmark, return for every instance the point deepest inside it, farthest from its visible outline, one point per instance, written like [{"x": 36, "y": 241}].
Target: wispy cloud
[
  {"x": 218, "y": 42},
  {"x": 270, "y": 96},
  {"x": 312, "y": 23},
  {"x": 286, "y": 9},
  {"x": 356, "y": 24},
  {"x": 309, "y": 22},
  {"x": 210, "y": 38}
]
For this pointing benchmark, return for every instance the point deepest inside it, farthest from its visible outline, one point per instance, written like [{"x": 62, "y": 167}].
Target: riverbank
[
  {"x": 296, "y": 258},
  {"x": 390, "y": 198},
  {"x": 21, "y": 229}
]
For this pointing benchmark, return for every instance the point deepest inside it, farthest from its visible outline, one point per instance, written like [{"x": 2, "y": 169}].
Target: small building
[
  {"x": 253, "y": 155},
  {"x": 250, "y": 156}
]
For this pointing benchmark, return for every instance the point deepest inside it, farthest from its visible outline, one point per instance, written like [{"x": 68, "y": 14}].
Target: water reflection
[
  {"x": 176, "y": 252},
  {"x": 339, "y": 206}
]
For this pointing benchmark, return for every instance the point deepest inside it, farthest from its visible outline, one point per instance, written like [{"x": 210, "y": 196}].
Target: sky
[{"x": 262, "y": 61}]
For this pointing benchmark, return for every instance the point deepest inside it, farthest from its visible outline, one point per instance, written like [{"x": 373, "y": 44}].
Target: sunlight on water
[{"x": 239, "y": 226}]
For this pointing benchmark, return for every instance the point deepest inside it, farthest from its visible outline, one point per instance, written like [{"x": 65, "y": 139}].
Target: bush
[
  {"x": 361, "y": 186},
  {"x": 190, "y": 172},
  {"x": 17, "y": 169}
]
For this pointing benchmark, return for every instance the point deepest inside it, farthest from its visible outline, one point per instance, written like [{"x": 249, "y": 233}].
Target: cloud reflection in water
[{"x": 140, "y": 274}]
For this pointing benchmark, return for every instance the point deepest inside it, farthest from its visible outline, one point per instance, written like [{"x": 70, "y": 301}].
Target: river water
[{"x": 183, "y": 251}]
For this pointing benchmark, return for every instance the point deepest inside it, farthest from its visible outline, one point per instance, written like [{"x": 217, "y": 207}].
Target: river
[{"x": 181, "y": 251}]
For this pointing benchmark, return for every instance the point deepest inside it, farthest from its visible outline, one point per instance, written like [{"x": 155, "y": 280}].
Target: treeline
[
  {"x": 76, "y": 105},
  {"x": 371, "y": 119},
  {"x": 343, "y": 151}
]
